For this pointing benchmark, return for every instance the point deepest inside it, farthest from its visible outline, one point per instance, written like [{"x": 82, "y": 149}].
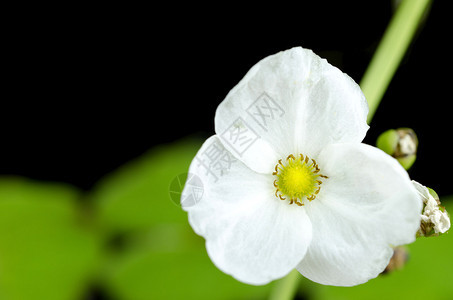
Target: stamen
[
  {"x": 317, "y": 191},
  {"x": 276, "y": 170},
  {"x": 290, "y": 156},
  {"x": 297, "y": 179}
]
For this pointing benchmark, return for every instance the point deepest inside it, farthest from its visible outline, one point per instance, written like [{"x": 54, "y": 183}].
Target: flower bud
[
  {"x": 398, "y": 261},
  {"x": 434, "y": 219},
  {"x": 400, "y": 143}
]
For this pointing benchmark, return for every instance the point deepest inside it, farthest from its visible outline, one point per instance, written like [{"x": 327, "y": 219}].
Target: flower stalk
[
  {"x": 286, "y": 287},
  {"x": 391, "y": 50}
]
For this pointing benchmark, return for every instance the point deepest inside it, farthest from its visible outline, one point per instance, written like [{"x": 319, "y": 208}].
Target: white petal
[
  {"x": 422, "y": 190},
  {"x": 441, "y": 221},
  {"x": 290, "y": 102},
  {"x": 366, "y": 206},
  {"x": 250, "y": 234},
  {"x": 334, "y": 111}
]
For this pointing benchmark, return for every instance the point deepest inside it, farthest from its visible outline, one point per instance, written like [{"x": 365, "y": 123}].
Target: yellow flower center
[{"x": 297, "y": 178}]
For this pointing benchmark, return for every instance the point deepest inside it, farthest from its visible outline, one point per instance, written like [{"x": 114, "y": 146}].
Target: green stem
[
  {"x": 391, "y": 50},
  {"x": 375, "y": 81},
  {"x": 285, "y": 288}
]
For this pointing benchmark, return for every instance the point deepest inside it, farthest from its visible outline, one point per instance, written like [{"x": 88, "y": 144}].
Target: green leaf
[
  {"x": 137, "y": 195},
  {"x": 175, "y": 267},
  {"x": 45, "y": 251}
]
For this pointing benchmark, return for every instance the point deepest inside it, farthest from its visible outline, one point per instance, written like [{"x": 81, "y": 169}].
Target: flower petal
[
  {"x": 250, "y": 234},
  {"x": 290, "y": 102},
  {"x": 334, "y": 111},
  {"x": 366, "y": 206}
]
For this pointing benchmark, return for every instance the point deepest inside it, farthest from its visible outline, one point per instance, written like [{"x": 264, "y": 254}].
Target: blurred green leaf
[
  {"x": 160, "y": 257},
  {"x": 136, "y": 196},
  {"x": 427, "y": 275},
  {"x": 45, "y": 251},
  {"x": 146, "y": 273}
]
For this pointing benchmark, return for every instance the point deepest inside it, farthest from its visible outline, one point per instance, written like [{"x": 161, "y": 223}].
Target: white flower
[
  {"x": 433, "y": 218},
  {"x": 290, "y": 133}
]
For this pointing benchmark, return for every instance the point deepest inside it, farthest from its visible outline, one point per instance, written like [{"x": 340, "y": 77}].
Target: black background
[{"x": 86, "y": 89}]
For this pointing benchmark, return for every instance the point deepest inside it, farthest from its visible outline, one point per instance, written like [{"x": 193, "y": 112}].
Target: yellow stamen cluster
[{"x": 297, "y": 178}]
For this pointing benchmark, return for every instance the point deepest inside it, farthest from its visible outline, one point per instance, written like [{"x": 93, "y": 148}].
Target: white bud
[
  {"x": 434, "y": 218},
  {"x": 408, "y": 144}
]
